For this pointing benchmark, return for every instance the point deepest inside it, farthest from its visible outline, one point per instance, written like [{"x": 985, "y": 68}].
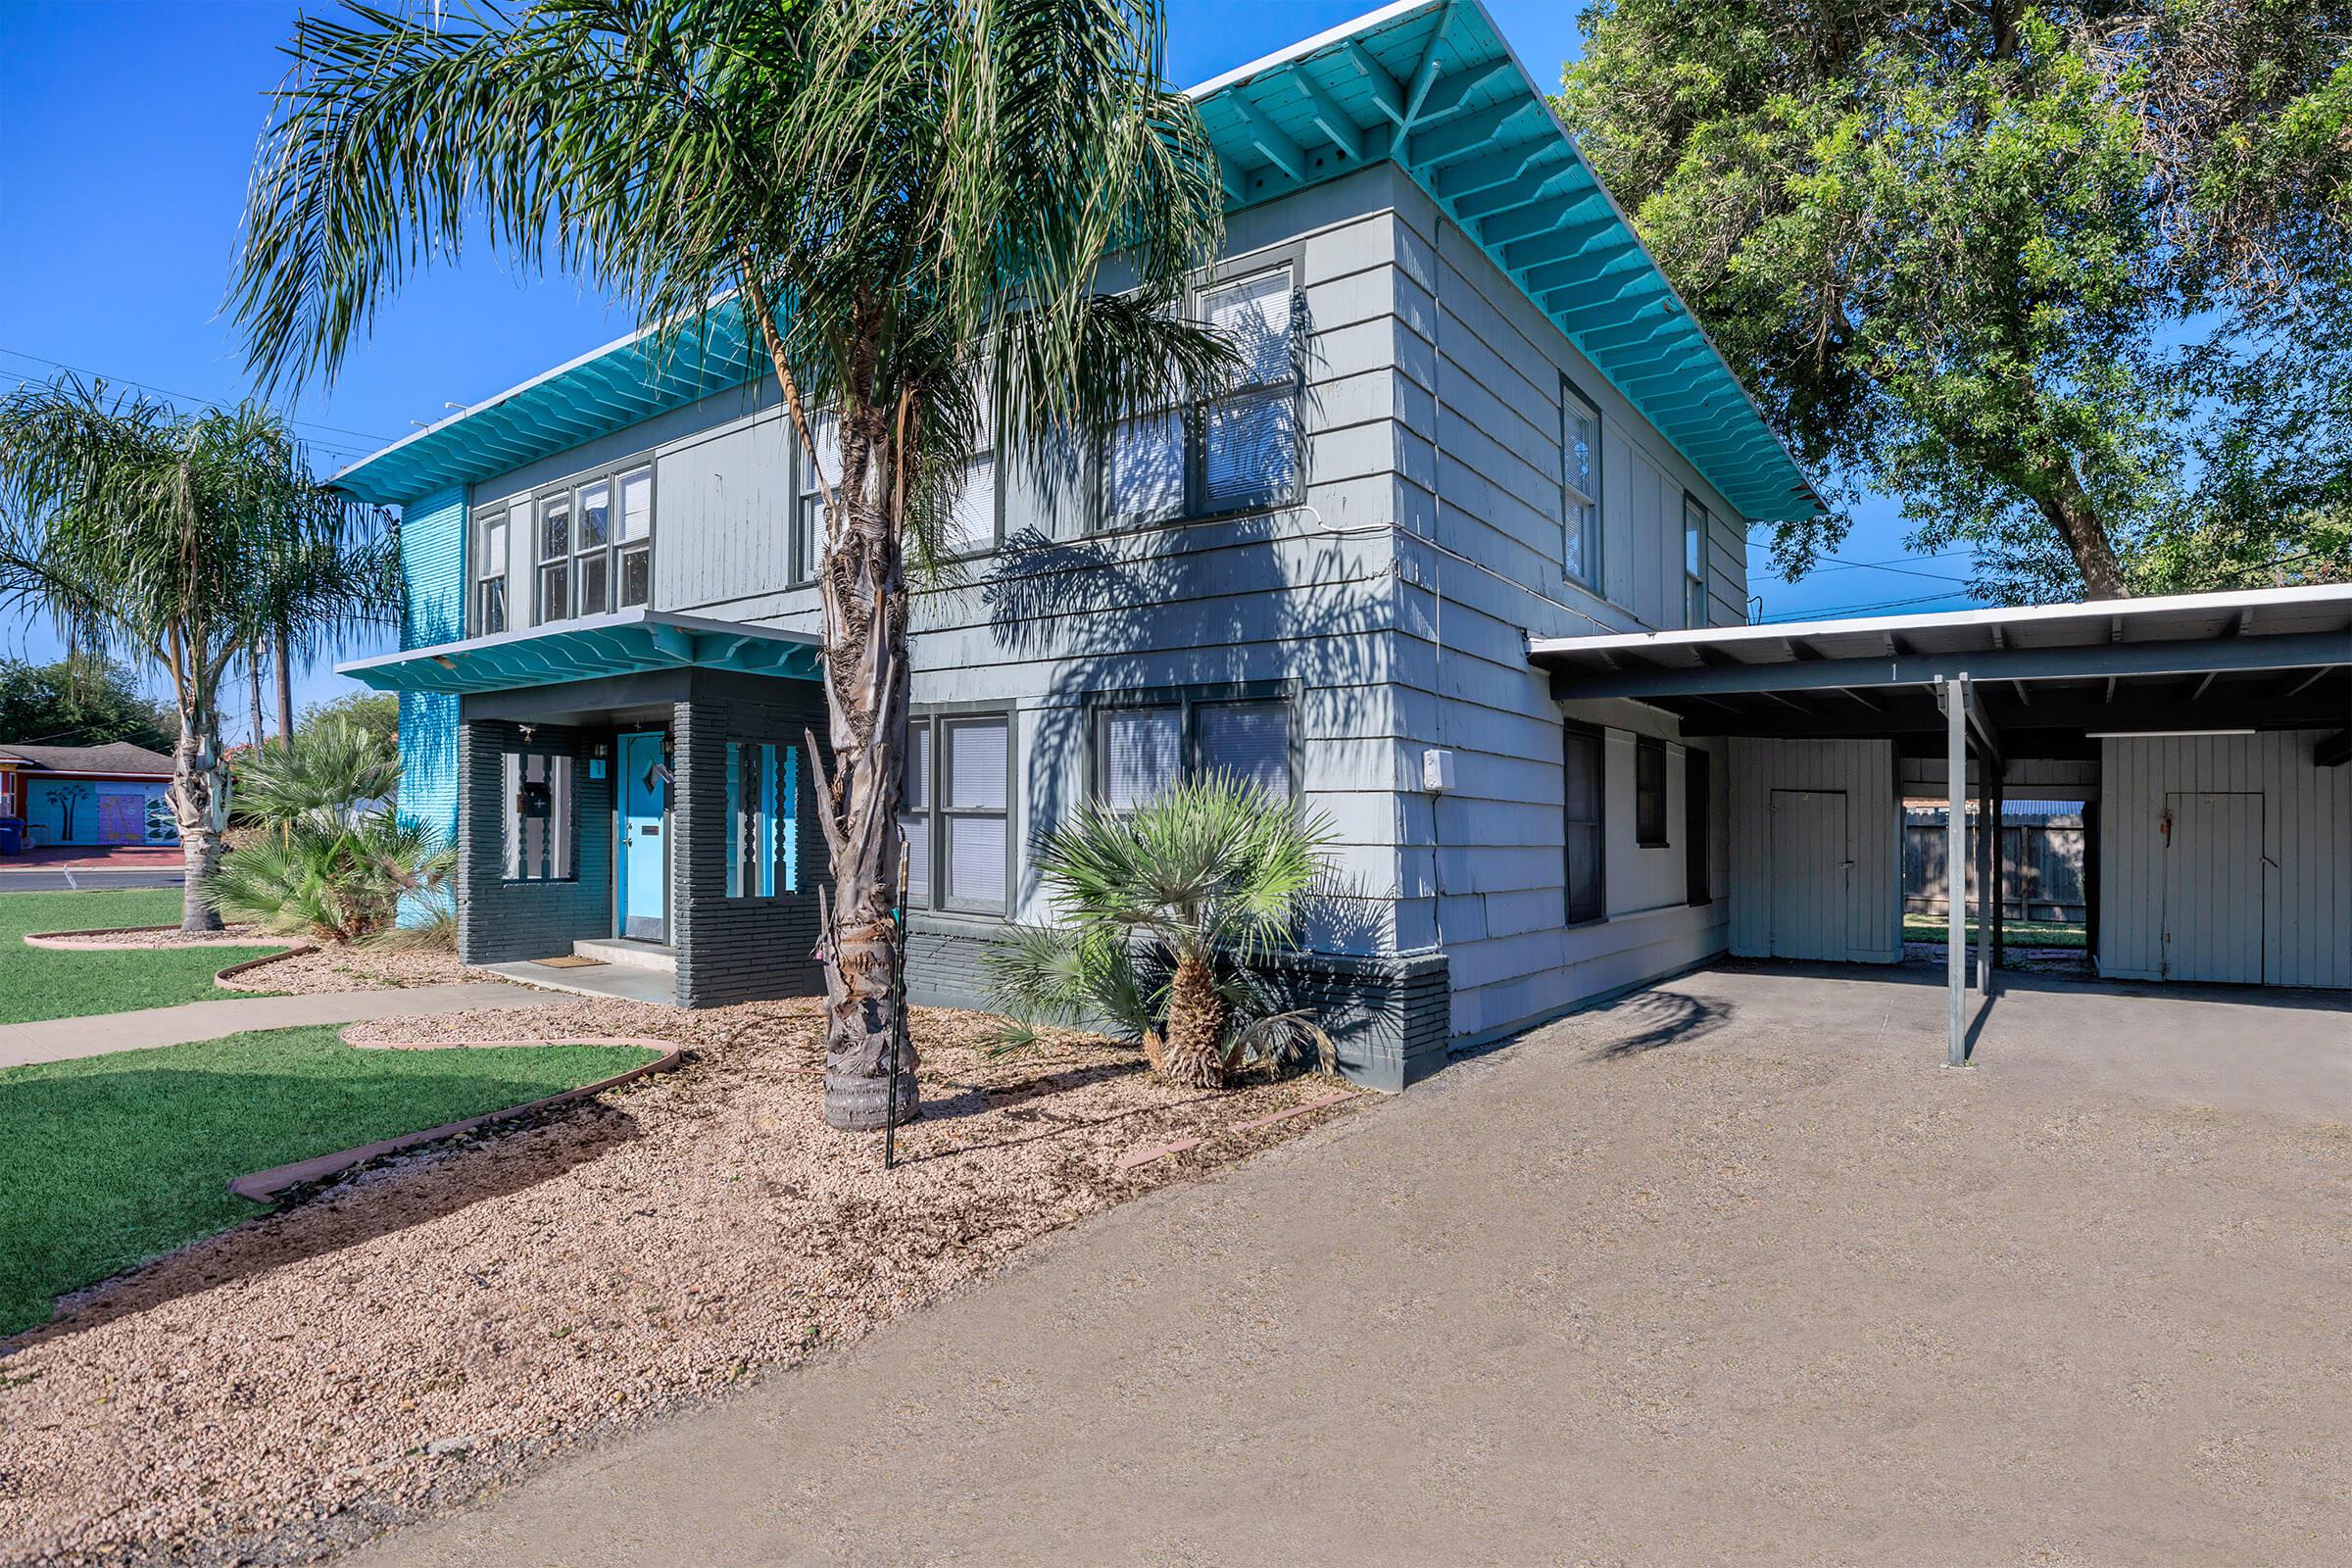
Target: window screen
[
  {"x": 972, "y": 788},
  {"x": 535, "y": 842},
  {"x": 1143, "y": 755},
  {"x": 1584, "y": 798},
  {"x": 1249, "y": 742},
  {"x": 490, "y": 575},
  {"x": 1580, "y": 484},
  {"x": 1649, "y": 793},
  {"x": 1144, "y": 478}
]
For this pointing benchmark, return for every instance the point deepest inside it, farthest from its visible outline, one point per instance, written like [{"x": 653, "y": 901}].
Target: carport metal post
[{"x": 1956, "y": 868}]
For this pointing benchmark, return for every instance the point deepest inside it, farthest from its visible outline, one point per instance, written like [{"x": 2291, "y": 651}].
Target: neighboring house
[
  {"x": 111, "y": 794},
  {"x": 1480, "y": 431}
]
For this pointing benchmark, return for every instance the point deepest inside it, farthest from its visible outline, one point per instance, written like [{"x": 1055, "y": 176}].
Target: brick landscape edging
[
  {"x": 264, "y": 1186},
  {"x": 62, "y": 940}
]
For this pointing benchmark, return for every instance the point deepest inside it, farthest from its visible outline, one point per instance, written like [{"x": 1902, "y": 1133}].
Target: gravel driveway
[{"x": 1732, "y": 1274}]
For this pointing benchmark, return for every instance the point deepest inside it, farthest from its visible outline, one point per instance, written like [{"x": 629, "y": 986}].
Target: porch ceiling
[
  {"x": 2275, "y": 659},
  {"x": 627, "y": 643}
]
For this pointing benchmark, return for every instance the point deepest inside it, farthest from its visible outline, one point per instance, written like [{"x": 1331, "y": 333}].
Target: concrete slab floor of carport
[{"x": 2239, "y": 1047}]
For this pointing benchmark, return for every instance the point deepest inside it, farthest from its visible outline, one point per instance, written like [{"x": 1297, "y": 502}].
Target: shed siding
[
  {"x": 2303, "y": 899},
  {"x": 1865, "y": 770}
]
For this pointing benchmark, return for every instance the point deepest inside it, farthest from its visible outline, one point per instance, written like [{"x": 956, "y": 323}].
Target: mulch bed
[{"x": 444, "y": 1319}]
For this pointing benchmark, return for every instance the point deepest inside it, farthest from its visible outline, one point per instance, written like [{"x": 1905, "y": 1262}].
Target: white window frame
[
  {"x": 571, "y": 493},
  {"x": 491, "y": 567},
  {"x": 1580, "y": 506},
  {"x": 1696, "y": 519}
]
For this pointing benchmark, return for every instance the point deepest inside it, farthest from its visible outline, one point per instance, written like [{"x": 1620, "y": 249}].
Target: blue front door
[{"x": 644, "y": 891}]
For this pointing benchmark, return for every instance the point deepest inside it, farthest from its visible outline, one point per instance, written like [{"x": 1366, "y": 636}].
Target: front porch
[{"x": 627, "y": 805}]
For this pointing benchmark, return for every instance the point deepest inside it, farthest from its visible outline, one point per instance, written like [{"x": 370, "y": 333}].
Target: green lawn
[
  {"x": 48, "y": 983},
  {"x": 108, "y": 1160},
  {"x": 2014, "y": 933}
]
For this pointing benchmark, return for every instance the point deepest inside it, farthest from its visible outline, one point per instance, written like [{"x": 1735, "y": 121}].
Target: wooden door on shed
[
  {"x": 1810, "y": 866},
  {"x": 2213, "y": 886}
]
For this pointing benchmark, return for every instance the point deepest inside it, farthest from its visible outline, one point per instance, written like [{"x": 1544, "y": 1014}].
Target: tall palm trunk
[
  {"x": 285, "y": 688},
  {"x": 197, "y": 797},
  {"x": 863, "y": 582},
  {"x": 1195, "y": 1044}
]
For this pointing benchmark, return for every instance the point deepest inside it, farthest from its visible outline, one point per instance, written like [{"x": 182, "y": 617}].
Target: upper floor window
[
  {"x": 1579, "y": 483},
  {"x": 1694, "y": 561},
  {"x": 975, "y": 518},
  {"x": 595, "y": 543},
  {"x": 807, "y": 542},
  {"x": 1143, "y": 747},
  {"x": 1235, "y": 452},
  {"x": 490, "y": 575}
]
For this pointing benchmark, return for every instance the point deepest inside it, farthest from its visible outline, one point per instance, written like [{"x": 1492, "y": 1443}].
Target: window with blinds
[
  {"x": 536, "y": 826},
  {"x": 1234, "y": 452},
  {"x": 1582, "y": 810},
  {"x": 1143, "y": 750},
  {"x": 1580, "y": 484},
  {"x": 956, "y": 811},
  {"x": 763, "y": 819}
]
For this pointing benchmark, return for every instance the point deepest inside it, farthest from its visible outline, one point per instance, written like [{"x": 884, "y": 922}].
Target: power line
[
  {"x": 1856, "y": 610},
  {"x": 183, "y": 397}
]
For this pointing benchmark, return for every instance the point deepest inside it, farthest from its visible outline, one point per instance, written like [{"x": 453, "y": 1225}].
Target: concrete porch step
[{"x": 629, "y": 952}]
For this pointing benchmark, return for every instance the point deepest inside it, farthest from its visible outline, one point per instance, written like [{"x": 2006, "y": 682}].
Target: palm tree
[
  {"x": 1201, "y": 887},
  {"x": 915, "y": 202},
  {"x": 141, "y": 532},
  {"x": 332, "y": 772}
]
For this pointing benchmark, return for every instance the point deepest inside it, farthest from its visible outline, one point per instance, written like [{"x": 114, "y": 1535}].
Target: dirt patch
[
  {"x": 441, "y": 1319},
  {"x": 318, "y": 970}
]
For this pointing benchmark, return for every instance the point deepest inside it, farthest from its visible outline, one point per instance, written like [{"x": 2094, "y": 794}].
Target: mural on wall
[
  {"x": 121, "y": 816},
  {"x": 65, "y": 799},
  {"x": 65, "y": 810},
  {"x": 162, "y": 826}
]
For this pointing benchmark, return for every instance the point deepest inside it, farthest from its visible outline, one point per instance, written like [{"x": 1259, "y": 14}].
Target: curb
[{"x": 265, "y": 1186}]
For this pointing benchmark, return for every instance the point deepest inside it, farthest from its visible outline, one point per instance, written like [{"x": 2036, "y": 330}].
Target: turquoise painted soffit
[
  {"x": 1430, "y": 84},
  {"x": 630, "y": 642}
]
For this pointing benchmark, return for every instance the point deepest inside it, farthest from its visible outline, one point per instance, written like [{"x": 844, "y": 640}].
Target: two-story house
[{"x": 1479, "y": 424}]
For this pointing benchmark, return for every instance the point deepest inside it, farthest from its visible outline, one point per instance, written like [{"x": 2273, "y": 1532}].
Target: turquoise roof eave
[
  {"x": 628, "y": 642},
  {"x": 1429, "y": 84}
]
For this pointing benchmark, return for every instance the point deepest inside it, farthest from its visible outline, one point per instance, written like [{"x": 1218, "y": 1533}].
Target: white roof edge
[
  {"x": 612, "y": 622},
  {"x": 517, "y": 389},
  {"x": 2003, "y": 615},
  {"x": 1307, "y": 46}
]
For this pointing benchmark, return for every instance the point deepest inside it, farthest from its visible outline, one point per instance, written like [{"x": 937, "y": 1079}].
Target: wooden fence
[{"x": 2042, "y": 870}]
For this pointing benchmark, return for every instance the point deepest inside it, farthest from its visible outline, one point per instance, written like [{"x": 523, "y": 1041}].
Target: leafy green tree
[
  {"x": 915, "y": 202},
  {"x": 141, "y": 533},
  {"x": 1168, "y": 914},
  {"x": 80, "y": 701},
  {"x": 2029, "y": 269},
  {"x": 376, "y": 710}
]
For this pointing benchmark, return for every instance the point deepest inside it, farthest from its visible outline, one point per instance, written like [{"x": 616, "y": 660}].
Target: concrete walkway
[
  {"x": 63, "y": 1038},
  {"x": 1734, "y": 1272}
]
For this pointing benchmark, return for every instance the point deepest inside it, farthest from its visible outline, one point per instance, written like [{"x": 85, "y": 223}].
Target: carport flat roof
[{"x": 2267, "y": 659}]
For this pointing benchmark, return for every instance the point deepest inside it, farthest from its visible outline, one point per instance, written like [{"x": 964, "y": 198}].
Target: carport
[{"x": 2230, "y": 714}]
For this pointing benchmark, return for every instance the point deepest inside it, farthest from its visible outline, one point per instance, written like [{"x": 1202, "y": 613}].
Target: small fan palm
[
  {"x": 333, "y": 880},
  {"x": 1204, "y": 883},
  {"x": 332, "y": 772}
]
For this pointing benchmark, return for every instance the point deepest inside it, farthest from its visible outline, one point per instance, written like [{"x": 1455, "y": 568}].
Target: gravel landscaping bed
[
  {"x": 352, "y": 968},
  {"x": 444, "y": 1319},
  {"x": 134, "y": 937}
]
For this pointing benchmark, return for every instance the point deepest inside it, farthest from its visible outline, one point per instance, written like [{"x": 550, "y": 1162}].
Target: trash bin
[{"x": 12, "y": 835}]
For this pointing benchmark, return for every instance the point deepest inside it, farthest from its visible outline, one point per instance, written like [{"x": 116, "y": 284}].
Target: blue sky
[{"x": 126, "y": 132}]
